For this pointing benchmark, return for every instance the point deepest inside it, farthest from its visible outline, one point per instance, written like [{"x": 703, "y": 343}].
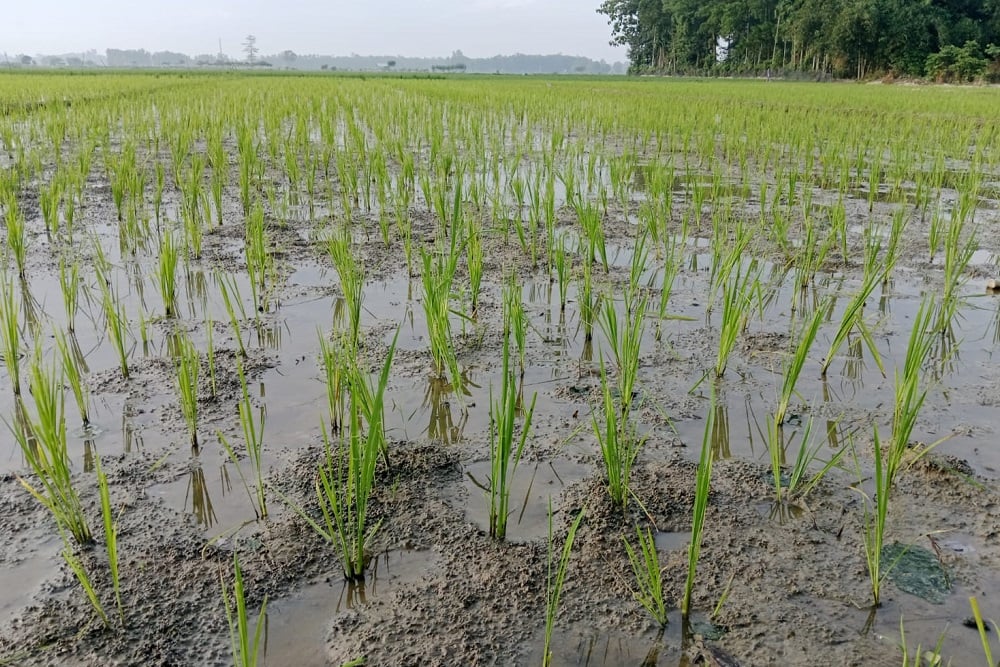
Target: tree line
[{"x": 943, "y": 39}]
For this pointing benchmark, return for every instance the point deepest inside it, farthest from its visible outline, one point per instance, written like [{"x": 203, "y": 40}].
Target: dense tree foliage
[{"x": 837, "y": 37}]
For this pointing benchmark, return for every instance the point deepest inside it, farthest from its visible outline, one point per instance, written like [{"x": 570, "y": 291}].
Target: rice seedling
[
  {"x": 437, "y": 280},
  {"x": 853, "y": 319},
  {"x": 983, "y": 630},
  {"x": 346, "y": 476},
  {"x": 186, "y": 367},
  {"x": 253, "y": 436},
  {"x": 921, "y": 658},
  {"x": 69, "y": 283},
  {"x": 45, "y": 451},
  {"x": 736, "y": 302},
  {"x": 17, "y": 238},
  {"x": 352, "y": 280},
  {"x": 793, "y": 369},
  {"x": 117, "y": 325},
  {"x": 167, "y": 273},
  {"x": 474, "y": 261},
  {"x": 10, "y": 332},
  {"x": 258, "y": 258},
  {"x": 563, "y": 266},
  {"x": 645, "y": 561},
  {"x": 703, "y": 483},
  {"x": 230, "y": 292},
  {"x": 110, "y": 536},
  {"x": 506, "y": 447},
  {"x": 74, "y": 376},
  {"x": 589, "y": 303},
  {"x": 245, "y": 648},
  {"x": 555, "y": 577},
  {"x": 619, "y": 445},
  {"x": 80, "y": 572},
  {"x": 515, "y": 320}
]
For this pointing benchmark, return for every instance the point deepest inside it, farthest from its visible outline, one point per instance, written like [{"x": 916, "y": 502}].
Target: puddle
[
  {"x": 533, "y": 486},
  {"x": 298, "y": 624}
]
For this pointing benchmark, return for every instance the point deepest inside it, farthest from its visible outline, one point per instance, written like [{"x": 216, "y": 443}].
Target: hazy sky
[{"x": 368, "y": 27}]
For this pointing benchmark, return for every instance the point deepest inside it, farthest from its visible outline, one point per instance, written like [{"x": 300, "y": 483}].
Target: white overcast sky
[{"x": 369, "y": 27}]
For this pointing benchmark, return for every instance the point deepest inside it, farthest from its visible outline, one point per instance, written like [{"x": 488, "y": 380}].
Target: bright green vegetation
[{"x": 720, "y": 213}]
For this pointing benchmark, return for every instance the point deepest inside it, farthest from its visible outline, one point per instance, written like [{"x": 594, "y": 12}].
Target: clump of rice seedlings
[
  {"x": 671, "y": 267},
  {"x": 563, "y": 265},
  {"x": 506, "y": 447},
  {"x": 17, "y": 239},
  {"x": 46, "y": 453},
  {"x": 117, "y": 324},
  {"x": 158, "y": 187},
  {"x": 186, "y": 366},
  {"x": 74, "y": 376},
  {"x": 796, "y": 363},
  {"x": 589, "y": 303},
  {"x": 49, "y": 198},
  {"x": 253, "y": 436},
  {"x": 853, "y": 319},
  {"x": 346, "y": 476},
  {"x": 437, "y": 282},
  {"x": 737, "y": 299},
  {"x": 351, "y": 280},
  {"x": 908, "y": 400},
  {"x": 590, "y": 220},
  {"x": 957, "y": 255},
  {"x": 333, "y": 357},
  {"x": 645, "y": 561},
  {"x": 929, "y": 658},
  {"x": 474, "y": 260},
  {"x": 80, "y": 572},
  {"x": 555, "y": 577},
  {"x": 69, "y": 283},
  {"x": 10, "y": 332},
  {"x": 167, "y": 273},
  {"x": 515, "y": 320},
  {"x": 245, "y": 648},
  {"x": 230, "y": 292},
  {"x": 702, "y": 486},
  {"x": 258, "y": 259},
  {"x": 110, "y": 536}
]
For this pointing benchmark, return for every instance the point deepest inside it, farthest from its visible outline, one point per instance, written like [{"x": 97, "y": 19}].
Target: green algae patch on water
[{"x": 917, "y": 571}]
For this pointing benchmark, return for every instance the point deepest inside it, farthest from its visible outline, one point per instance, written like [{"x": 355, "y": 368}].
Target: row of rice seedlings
[
  {"x": 246, "y": 648},
  {"x": 346, "y": 476},
  {"x": 555, "y": 577},
  {"x": 506, "y": 447},
  {"x": 253, "y": 437}
]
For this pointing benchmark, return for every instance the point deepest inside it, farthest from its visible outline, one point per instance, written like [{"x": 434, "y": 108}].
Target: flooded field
[{"x": 497, "y": 371}]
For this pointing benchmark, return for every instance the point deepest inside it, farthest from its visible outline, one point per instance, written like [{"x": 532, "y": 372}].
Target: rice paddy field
[{"x": 320, "y": 370}]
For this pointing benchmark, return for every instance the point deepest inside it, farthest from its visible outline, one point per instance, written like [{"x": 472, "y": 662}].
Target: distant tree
[
  {"x": 27, "y": 60},
  {"x": 391, "y": 64},
  {"x": 250, "y": 48},
  {"x": 288, "y": 56}
]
